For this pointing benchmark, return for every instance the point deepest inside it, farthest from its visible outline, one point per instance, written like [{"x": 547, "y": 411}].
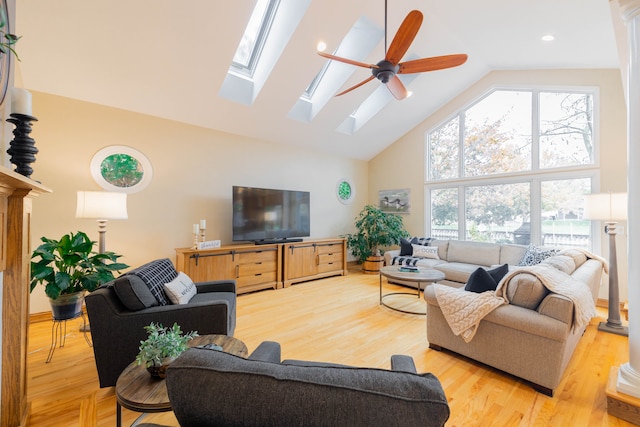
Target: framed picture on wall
[{"x": 395, "y": 201}]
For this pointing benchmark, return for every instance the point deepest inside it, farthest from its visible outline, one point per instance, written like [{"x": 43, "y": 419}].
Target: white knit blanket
[
  {"x": 560, "y": 283},
  {"x": 464, "y": 310}
]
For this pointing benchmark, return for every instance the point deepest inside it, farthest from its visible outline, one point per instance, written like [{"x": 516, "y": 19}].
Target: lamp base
[{"x": 618, "y": 330}]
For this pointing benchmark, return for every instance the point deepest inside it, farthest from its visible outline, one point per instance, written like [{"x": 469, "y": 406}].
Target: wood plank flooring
[{"x": 339, "y": 320}]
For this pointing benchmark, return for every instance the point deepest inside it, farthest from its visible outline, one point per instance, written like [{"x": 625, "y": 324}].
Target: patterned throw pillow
[
  {"x": 406, "y": 248},
  {"x": 155, "y": 274},
  {"x": 535, "y": 255}
]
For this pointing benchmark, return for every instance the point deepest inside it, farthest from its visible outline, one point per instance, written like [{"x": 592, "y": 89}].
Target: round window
[
  {"x": 123, "y": 169},
  {"x": 345, "y": 191}
]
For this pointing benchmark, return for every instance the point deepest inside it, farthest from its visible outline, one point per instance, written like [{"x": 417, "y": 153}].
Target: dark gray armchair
[
  {"x": 118, "y": 312},
  {"x": 209, "y": 387}
]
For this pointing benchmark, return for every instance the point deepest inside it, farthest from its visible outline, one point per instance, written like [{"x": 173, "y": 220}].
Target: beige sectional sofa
[
  {"x": 533, "y": 337},
  {"x": 457, "y": 259}
]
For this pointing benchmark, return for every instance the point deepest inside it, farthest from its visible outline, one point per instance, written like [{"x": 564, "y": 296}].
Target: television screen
[{"x": 267, "y": 215}]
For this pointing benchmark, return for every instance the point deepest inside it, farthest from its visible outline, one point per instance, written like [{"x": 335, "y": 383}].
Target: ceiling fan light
[{"x": 321, "y": 46}]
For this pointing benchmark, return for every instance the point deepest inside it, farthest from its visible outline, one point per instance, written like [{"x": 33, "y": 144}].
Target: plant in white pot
[
  {"x": 68, "y": 268},
  {"x": 162, "y": 346}
]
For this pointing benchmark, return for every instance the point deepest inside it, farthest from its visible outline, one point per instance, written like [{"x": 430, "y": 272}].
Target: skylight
[
  {"x": 254, "y": 36},
  {"x": 359, "y": 42},
  {"x": 268, "y": 31}
]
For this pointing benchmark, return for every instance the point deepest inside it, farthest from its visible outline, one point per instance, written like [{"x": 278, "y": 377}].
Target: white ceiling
[{"x": 168, "y": 58}]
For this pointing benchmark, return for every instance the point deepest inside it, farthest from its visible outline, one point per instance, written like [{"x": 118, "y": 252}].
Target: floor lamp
[
  {"x": 610, "y": 208},
  {"x": 101, "y": 206}
]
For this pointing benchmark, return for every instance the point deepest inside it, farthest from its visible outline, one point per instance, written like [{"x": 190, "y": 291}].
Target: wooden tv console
[{"x": 270, "y": 266}]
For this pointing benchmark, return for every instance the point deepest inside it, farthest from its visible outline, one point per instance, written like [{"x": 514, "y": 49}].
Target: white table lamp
[
  {"x": 101, "y": 206},
  {"x": 610, "y": 208}
]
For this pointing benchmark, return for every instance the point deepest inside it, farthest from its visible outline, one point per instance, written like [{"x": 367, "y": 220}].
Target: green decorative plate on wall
[{"x": 345, "y": 191}]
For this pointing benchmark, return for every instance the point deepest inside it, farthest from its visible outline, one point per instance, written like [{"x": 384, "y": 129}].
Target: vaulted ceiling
[{"x": 169, "y": 58}]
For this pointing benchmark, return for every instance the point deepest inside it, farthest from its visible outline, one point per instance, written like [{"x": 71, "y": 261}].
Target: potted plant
[
  {"x": 68, "y": 268},
  {"x": 8, "y": 40},
  {"x": 162, "y": 346},
  {"x": 375, "y": 229}
]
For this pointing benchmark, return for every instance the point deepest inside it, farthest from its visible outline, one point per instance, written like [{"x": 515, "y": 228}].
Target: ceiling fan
[{"x": 388, "y": 69}]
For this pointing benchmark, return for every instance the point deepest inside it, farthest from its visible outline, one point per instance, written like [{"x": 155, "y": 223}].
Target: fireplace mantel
[{"x": 16, "y": 195}]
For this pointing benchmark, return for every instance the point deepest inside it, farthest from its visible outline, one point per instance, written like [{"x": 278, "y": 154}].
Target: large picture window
[{"x": 514, "y": 167}]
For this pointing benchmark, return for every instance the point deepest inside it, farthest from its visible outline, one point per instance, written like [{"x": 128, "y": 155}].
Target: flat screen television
[{"x": 265, "y": 215}]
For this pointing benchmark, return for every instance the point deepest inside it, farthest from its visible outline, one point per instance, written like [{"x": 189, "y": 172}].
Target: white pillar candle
[
  {"x": 20, "y": 101},
  {"x": 196, "y": 228},
  {"x": 203, "y": 224}
]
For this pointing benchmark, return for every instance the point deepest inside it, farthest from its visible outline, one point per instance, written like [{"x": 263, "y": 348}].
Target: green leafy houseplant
[
  {"x": 375, "y": 229},
  {"x": 69, "y": 265},
  {"x": 8, "y": 40},
  {"x": 163, "y": 344}
]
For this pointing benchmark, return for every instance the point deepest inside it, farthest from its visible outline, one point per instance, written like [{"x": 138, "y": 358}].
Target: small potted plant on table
[
  {"x": 375, "y": 229},
  {"x": 162, "y": 346}
]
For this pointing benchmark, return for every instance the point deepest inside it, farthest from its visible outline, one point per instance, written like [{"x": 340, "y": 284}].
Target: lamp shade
[
  {"x": 101, "y": 205},
  {"x": 605, "y": 206}
]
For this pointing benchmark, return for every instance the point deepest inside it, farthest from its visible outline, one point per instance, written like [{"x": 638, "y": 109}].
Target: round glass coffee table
[
  {"x": 422, "y": 277},
  {"x": 138, "y": 391}
]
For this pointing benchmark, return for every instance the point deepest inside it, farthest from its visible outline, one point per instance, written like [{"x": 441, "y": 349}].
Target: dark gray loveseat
[
  {"x": 118, "y": 312},
  {"x": 209, "y": 387}
]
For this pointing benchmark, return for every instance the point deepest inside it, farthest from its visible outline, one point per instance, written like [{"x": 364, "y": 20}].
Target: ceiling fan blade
[
  {"x": 403, "y": 38},
  {"x": 346, "y": 60},
  {"x": 397, "y": 89},
  {"x": 367, "y": 80},
  {"x": 431, "y": 64}
]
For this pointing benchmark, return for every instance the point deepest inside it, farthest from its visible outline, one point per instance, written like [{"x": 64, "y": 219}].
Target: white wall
[
  {"x": 402, "y": 164},
  {"x": 193, "y": 172}
]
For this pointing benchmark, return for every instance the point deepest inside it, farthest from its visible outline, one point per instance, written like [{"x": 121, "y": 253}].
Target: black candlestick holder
[{"x": 23, "y": 148}]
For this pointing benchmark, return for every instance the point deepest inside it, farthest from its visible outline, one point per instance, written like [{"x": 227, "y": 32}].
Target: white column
[{"x": 629, "y": 374}]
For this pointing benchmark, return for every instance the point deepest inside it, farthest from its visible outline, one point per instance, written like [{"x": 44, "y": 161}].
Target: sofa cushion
[
  {"x": 133, "y": 293},
  {"x": 525, "y": 290},
  {"x": 456, "y": 271},
  {"x": 443, "y": 247},
  {"x": 535, "y": 255},
  {"x": 155, "y": 274},
  {"x": 181, "y": 289},
  {"x": 478, "y": 253},
  {"x": 420, "y": 251},
  {"x": 511, "y": 254}
]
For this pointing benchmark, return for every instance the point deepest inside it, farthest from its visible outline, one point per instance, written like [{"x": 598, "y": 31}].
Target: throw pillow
[
  {"x": 535, "y": 255},
  {"x": 134, "y": 293},
  {"x": 181, "y": 289},
  {"x": 406, "y": 248},
  {"x": 420, "y": 251},
  {"x": 499, "y": 272},
  {"x": 480, "y": 281}
]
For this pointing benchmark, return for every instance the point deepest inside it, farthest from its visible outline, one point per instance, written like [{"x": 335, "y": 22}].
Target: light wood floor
[{"x": 340, "y": 320}]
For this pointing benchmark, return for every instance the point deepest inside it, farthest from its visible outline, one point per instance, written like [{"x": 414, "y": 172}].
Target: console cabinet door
[
  {"x": 300, "y": 260},
  {"x": 211, "y": 266}
]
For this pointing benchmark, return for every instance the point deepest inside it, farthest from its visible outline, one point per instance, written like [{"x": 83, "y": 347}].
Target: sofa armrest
[
  {"x": 403, "y": 363},
  {"x": 388, "y": 256},
  {"x": 558, "y": 307},
  {"x": 267, "y": 351},
  {"x": 216, "y": 286}
]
